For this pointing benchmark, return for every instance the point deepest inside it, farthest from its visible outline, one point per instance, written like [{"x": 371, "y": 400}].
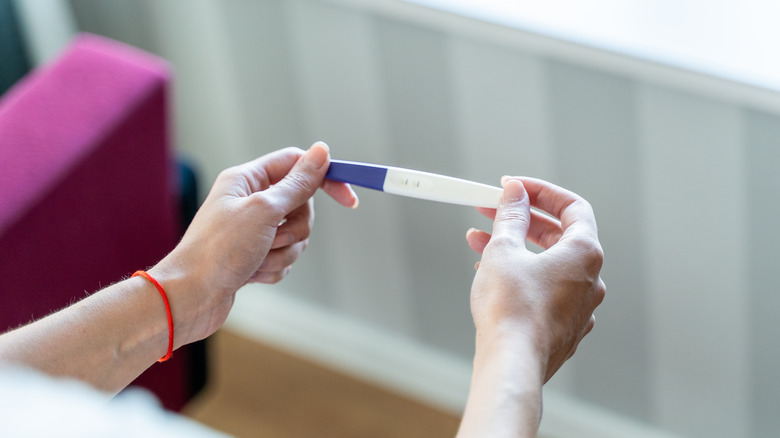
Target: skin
[{"x": 530, "y": 310}]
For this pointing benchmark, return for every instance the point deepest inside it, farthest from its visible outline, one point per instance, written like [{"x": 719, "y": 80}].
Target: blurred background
[{"x": 674, "y": 144}]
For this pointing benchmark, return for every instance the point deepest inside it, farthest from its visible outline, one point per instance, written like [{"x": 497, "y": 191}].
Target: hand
[
  {"x": 252, "y": 227},
  {"x": 546, "y": 299}
]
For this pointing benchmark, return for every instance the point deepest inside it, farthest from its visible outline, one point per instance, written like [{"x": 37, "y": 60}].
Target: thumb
[
  {"x": 513, "y": 216},
  {"x": 303, "y": 180}
]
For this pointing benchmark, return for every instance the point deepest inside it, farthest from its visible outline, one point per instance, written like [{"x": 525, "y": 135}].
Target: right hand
[{"x": 547, "y": 298}]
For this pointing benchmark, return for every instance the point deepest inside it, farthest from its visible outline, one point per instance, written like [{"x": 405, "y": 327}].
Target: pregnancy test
[{"x": 415, "y": 184}]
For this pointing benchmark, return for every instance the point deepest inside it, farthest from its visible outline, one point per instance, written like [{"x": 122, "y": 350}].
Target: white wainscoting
[{"x": 400, "y": 364}]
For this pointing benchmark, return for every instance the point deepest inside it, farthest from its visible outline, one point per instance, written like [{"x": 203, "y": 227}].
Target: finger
[
  {"x": 341, "y": 193},
  {"x": 267, "y": 170},
  {"x": 545, "y": 231},
  {"x": 477, "y": 240},
  {"x": 575, "y": 213},
  {"x": 547, "y": 196},
  {"x": 300, "y": 183},
  {"x": 279, "y": 259},
  {"x": 296, "y": 227},
  {"x": 489, "y": 213},
  {"x": 270, "y": 277},
  {"x": 283, "y": 239},
  {"x": 513, "y": 215}
]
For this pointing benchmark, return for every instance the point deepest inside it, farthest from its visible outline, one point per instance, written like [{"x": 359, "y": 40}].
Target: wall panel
[
  {"x": 763, "y": 237},
  {"x": 693, "y": 201},
  {"x": 594, "y": 126},
  {"x": 362, "y": 253},
  {"x": 421, "y": 120}
]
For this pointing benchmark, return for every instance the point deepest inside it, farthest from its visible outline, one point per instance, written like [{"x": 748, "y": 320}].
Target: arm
[
  {"x": 253, "y": 225},
  {"x": 530, "y": 310}
]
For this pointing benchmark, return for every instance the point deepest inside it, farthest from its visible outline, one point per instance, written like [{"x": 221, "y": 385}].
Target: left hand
[
  {"x": 547, "y": 298},
  {"x": 252, "y": 227}
]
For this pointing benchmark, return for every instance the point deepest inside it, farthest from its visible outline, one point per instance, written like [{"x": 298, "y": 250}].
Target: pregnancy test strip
[{"x": 415, "y": 184}]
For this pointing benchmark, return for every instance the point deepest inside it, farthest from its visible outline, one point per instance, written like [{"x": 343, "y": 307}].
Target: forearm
[
  {"x": 505, "y": 399},
  {"x": 106, "y": 340}
]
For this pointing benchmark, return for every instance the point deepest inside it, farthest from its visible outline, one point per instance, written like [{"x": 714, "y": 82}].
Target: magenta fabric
[{"x": 86, "y": 194}]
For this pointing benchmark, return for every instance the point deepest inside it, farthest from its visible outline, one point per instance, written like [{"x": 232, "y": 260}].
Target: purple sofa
[{"x": 88, "y": 189}]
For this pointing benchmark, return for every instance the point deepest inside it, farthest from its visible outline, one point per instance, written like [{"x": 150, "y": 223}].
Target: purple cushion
[{"x": 86, "y": 194}]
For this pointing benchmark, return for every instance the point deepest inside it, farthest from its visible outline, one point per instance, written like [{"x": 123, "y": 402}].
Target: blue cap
[{"x": 360, "y": 174}]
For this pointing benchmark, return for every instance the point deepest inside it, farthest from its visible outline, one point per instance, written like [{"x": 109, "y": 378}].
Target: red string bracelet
[{"x": 159, "y": 287}]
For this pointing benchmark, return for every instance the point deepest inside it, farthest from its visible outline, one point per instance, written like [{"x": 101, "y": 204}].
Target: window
[{"x": 734, "y": 39}]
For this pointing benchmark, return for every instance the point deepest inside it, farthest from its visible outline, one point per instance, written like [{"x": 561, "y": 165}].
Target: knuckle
[
  {"x": 229, "y": 174},
  {"x": 590, "y": 325},
  {"x": 268, "y": 205},
  {"x": 596, "y": 255},
  {"x": 514, "y": 214},
  {"x": 601, "y": 292},
  {"x": 293, "y": 150},
  {"x": 300, "y": 181},
  {"x": 504, "y": 242},
  {"x": 590, "y": 250},
  {"x": 584, "y": 206},
  {"x": 303, "y": 235}
]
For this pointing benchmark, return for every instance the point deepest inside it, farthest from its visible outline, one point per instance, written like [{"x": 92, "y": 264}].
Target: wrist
[
  {"x": 183, "y": 296},
  {"x": 507, "y": 338},
  {"x": 505, "y": 398},
  {"x": 168, "y": 313}
]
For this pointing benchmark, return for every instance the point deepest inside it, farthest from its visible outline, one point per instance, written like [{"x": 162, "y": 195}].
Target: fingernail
[
  {"x": 316, "y": 156},
  {"x": 516, "y": 193},
  {"x": 507, "y": 178},
  {"x": 354, "y": 196}
]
